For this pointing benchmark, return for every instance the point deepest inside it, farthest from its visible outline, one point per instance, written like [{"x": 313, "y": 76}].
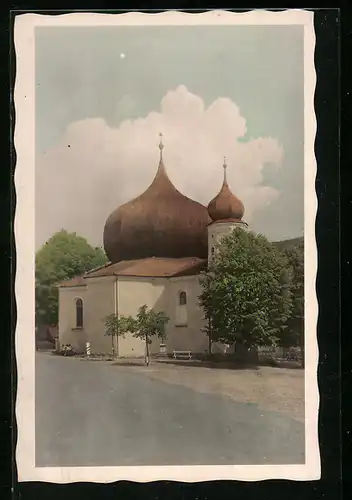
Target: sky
[{"x": 103, "y": 95}]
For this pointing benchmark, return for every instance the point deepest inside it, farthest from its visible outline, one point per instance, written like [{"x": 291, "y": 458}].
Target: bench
[{"x": 182, "y": 354}]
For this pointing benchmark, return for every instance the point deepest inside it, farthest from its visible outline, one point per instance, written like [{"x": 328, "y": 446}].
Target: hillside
[{"x": 284, "y": 244}]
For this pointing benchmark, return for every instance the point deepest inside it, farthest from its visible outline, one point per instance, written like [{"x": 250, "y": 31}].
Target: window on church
[
  {"x": 79, "y": 313},
  {"x": 181, "y": 310},
  {"x": 183, "y": 298},
  {"x": 212, "y": 251}
]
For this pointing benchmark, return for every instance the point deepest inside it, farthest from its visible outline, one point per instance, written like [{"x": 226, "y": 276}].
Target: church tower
[{"x": 226, "y": 212}]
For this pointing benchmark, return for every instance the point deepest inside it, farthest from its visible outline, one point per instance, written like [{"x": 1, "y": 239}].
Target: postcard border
[{"x": 24, "y": 139}]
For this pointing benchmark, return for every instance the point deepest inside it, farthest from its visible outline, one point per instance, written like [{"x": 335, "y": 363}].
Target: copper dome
[
  {"x": 161, "y": 222},
  {"x": 225, "y": 205}
]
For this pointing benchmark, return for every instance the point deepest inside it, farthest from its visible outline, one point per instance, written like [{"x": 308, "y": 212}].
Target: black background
[{"x": 330, "y": 35}]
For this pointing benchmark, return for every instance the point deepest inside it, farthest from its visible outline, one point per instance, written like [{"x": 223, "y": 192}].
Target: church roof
[
  {"x": 225, "y": 205},
  {"x": 76, "y": 281},
  {"x": 153, "y": 267},
  {"x": 161, "y": 222},
  {"x": 156, "y": 267}
]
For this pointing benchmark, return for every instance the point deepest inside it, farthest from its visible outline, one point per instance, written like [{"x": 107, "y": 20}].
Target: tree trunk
[
  {"x": 240, "y": 351},
  {"x": 112, "y": 346},
  {"x": 117, "y": 342},
  {"x": 146, "y": 350},
  {"x": 210, "y": 342},
  {"x": 246, "y": 353},
  {"x": 117, "y": 346},
  {"x": 253, "y": 354}
]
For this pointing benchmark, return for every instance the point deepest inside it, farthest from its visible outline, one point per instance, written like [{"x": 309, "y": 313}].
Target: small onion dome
[
  {"x": 225, "y": 205},
  {"x": 161, "y": 222}
]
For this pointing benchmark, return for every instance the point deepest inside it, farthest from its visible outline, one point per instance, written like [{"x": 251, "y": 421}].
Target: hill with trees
[
  {"x": 292, "y": 242},
  {"x": 64, "y": 256}
]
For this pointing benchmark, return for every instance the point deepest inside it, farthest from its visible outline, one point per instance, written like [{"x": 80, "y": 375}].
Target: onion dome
[
  {"x": 225, "y": 205},
  {"x": 161, "y": 222}
]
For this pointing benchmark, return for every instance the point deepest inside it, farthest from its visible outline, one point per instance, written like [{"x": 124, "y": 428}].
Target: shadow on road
[
  {"x": 209, "y": 364},
  {"x": 231, "y": 365},
  {"x": 128, "y": 363},
  {"x": 216, "y": 365},
  {"x": 193, "y": 363}
]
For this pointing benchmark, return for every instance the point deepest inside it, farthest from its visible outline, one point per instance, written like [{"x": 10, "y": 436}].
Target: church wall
[
  {"x": 132, "y": 294},
  {"x": 181, "y": 334},
  {"x": 68, "y": 333},
  {"x": 99, "y": 304},
  {"x": 219, "y": 230}
]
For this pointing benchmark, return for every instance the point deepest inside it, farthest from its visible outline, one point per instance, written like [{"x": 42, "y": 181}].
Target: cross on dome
[
  {"x": 225, "y": 205},
  {"x": 161, "y": 145},
  {"x": 225, "y": 167}
]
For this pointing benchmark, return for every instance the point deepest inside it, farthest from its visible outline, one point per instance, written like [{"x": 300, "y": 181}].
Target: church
[{"x": 157, "y": 245}]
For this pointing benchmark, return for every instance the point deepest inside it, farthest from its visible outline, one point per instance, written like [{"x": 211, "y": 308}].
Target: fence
[{"x": 279, "y": 352}]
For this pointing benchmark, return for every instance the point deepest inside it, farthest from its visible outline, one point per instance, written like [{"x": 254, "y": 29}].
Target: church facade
[{"x": 157, "y": 245}]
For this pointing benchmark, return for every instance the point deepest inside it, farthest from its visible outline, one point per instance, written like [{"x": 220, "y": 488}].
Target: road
[{"x": 97, "y": 414}]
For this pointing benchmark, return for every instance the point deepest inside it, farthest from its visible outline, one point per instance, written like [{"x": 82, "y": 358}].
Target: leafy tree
[
  {"x": 64, "y": 256},
  {"x": 246, "y": 291},
  {"x": 116, "y": 326},
  {"x": 295, "y": 322},
  {"x": 147, "y": 324}
]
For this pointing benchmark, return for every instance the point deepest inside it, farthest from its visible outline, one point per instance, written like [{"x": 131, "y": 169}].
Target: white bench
[{"x": 182, "y": 354}]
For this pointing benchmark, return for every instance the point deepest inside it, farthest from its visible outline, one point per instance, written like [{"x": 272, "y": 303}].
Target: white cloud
[{"x": 95, "y": 168}]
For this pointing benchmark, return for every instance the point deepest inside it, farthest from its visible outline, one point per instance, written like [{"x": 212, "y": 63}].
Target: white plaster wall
[
  {"x": 132, "y": 294},
  {"x": 189, "y": 337},
  {"x": 68, "y": 333},
  {"x": 99, "y": 304},
  {"x": 159, "y": 293},
  {"x": 219, "y": 230}
]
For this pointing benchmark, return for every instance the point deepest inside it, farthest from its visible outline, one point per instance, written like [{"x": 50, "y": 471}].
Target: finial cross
[
  {"x": 161, "y": 145},
  {"x": 225, "y": 167}
]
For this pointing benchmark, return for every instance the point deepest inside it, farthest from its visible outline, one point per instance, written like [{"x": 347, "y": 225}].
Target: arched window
[
  {"x": 79, "y": 313},
  {"x": 183, "y": 298},
  {"x": 212, "y": 251},
  {"x": 181, "y": 309}
]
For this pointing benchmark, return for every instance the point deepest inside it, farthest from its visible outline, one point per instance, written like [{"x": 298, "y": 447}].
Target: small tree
[
  {"x": 147, "y": 324},
  {"x": 246, "y": 292},
  {"x": 116, "y": 326}
]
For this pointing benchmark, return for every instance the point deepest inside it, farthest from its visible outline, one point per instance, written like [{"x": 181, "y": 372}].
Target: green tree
[
  {"x": 294, "y": 336},
  {"x": 117, "y": 326},
  {"x": 64, "y": 256},
  {"x": 147, "y": 324},
  {"x": 246, "y": 291}
]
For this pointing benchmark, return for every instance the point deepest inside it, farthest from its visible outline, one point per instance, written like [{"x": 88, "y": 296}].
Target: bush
[{"x": 66, "y": 350}]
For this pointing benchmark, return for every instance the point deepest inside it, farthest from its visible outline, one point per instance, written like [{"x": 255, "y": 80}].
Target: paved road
[{"x": 92, "y": 413}]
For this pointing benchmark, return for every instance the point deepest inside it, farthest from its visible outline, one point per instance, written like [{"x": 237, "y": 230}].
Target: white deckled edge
[
  {"x": 24, "y": 94},
  {"x": 310, "y": 258}
]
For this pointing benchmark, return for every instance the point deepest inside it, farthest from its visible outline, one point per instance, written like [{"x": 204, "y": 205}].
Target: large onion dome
[
  {"x": 225, "y": 205},
  {"x": 161, "y": 222}
]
